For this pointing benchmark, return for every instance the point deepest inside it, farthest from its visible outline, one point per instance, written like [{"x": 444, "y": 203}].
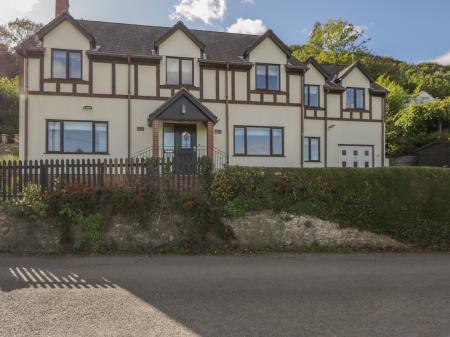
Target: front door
[{"x": 182, "y": 140}]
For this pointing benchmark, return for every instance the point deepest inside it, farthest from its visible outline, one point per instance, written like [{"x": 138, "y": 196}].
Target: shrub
[
  {"x": 408, "y": 204},
  {"x": 31, "y": 203}
]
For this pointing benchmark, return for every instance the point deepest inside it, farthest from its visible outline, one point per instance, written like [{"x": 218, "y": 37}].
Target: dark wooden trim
[
  {"x": 266, "y": 89},
  {"x": 201, "y": 83},
  {"x": 136, "y": 80},
  {"x": 309, "y": 149},
  {"x": 341, "y": 102},
  {"x": 74, "y": 87},
  {"x": 233, "y": 85},
  {"x": 248, "y": 85},
  {"x": 58, "y": 87},
  {"x": 61, "y": 80},
  {"x": 91, "y": 76},
  {"x": 217, "y": 85},
  {"x": 113, "y": 79},
  {"x": 41, "y": 74},
  {"x": 159, "y": 98},
  {"x": 288, "y": 88},
  {"x": 123, "y": 59},
  {"x": 268, "y": 92},
  {"x": 176, "y": 86},
  {"x": 61, "y": 125},
  {"x": 370, "y": 106},
  {"x": 271, "y": 128}
]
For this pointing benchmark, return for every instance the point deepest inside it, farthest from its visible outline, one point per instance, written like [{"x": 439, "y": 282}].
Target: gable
[
  {"x": 179, "y": 44},
  {"x": 356, "y": 78},
  {"x": 267, "y": 51},
  {"x": 313, "y": 75},
  {"x": 66, "y": 36}
]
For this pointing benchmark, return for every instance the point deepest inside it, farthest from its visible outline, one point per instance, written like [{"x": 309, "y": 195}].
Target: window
[
  {"x": 66, "y": 64},
  {"x": 258, "y": 141},
  {"x": 77, "y": 137},
  {"x": 311, "y": 149},
  {"x": 355, "y": 98},
  {"x": 268, "y": 77},
  {"x": 179, "y": 71},
  {"x": 312, "y": 95}
]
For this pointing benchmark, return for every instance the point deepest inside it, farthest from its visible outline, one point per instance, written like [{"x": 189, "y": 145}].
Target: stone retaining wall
[{"x": 252, "y": 231}]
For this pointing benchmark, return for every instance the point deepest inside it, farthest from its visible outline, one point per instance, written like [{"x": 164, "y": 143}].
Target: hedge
[{"x": 411, "y": 205}]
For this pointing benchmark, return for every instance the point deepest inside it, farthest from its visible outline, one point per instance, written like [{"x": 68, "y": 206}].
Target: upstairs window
[
  {"x": 268, "y": 77},
  {"x": 66, "y": 64},
  {"x": 179, "y": 71},
  {"x": 355, "y": 98},
  {"x": 312, "y": 95}
]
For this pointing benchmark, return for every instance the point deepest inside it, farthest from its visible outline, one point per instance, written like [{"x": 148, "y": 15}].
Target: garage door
[{"x": 356, "y": 156}]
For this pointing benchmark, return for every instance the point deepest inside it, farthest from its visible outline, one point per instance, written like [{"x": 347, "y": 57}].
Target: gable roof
[
  {"x": 318, "y": 66},
  {"x": 183, "y": 106},
  {"x": 269, "y": 34},
  {"x": 343, "y": 73},
  {"x": 58, "y": 20},
  {"x": 179, "y": 26}
]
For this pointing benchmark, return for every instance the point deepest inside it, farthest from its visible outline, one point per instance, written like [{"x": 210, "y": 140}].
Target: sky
[{"x": 413, "y": 31}]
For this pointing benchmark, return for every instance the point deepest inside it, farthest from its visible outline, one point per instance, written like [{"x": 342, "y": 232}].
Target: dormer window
[
  {"x": 66, "y": 64},
  {"x": 356, "y": 98},
  {"x": 180, "y": 71},
  {"x": 268, "y": 77}
]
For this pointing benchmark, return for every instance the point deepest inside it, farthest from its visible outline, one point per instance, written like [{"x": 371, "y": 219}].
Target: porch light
[{"x": 183, "y": 109}]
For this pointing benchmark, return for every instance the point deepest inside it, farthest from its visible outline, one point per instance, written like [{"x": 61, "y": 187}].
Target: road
[{"x": 267, "y": 295}]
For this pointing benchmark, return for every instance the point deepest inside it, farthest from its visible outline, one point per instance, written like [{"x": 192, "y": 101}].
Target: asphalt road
[{"x": 276, "y": 295}]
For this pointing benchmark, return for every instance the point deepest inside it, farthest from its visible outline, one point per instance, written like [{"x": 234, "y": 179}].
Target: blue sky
[{"x": 412, "y": 31}]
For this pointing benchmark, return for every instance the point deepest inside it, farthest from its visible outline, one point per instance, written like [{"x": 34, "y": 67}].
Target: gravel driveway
[{"x": 268, "y": 295}]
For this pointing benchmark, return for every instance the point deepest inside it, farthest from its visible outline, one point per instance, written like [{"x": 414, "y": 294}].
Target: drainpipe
[
  {"x": 226, "y": 115},
  {"x": 129, "y": 106}
]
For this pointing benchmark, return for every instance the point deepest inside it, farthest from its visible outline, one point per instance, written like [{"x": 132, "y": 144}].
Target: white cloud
[
  {"x": 205, "y": 10},
  {"x": 10, "y": 9},
  {"x": 248, "y": 26},
  {"x": 443, "y": 59}
]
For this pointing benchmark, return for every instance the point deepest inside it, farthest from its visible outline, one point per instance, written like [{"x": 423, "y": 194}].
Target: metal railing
[{"x": 184, "y": 157}]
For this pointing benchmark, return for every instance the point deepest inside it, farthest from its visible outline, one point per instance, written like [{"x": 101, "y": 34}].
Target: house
[
  {"x": 112, "y": 90},
  {"x": 420, "y": 98}
]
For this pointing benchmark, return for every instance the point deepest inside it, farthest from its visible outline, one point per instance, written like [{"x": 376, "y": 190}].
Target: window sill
[
  {"x": 266, "y": 91},
  {"x": 312, "y": 161},
  {"x": 179, "y": 86},
  {"x": 66, "y": 80},
  {"x": 80, "y": 153},
  {"x": 355, "y": 110},
  {"x": 259, "y": 155},
  {"x": 309, "y": 107}
]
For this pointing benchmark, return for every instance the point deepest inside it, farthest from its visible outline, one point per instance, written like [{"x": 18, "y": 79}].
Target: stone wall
[
  {"x": 268, "y": 229},
  {"x": 120, "y": 234}
]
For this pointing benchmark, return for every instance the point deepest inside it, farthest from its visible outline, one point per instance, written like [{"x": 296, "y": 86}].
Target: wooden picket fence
[{"x": 15, "y": 176}]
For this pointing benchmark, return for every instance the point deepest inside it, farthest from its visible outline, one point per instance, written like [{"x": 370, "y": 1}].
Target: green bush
[{"x": 411, "y": 205}]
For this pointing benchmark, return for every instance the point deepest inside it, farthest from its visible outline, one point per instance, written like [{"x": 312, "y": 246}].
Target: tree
[
  {"x": 9, "y": 105},
  {"x": 430, "y": 116},
  {"x": 18, "y": 30},
  {"x": 336, "y": 41}
]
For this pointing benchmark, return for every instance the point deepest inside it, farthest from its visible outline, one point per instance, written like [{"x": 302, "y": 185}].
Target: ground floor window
[
  {"x": 77, "y": 136},
  {"x": 258, "y": 141},
  {"x": 311, "y": 149}
]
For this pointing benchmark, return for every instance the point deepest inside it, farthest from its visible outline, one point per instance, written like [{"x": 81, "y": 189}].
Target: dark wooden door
[{"x": 185, "y": 154}]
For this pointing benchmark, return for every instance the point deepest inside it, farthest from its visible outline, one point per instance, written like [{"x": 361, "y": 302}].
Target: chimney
[{"x": 61, "y": 7}]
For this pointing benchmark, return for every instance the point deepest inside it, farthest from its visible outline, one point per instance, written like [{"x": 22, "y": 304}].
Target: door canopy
[{"x": 183, "y": 107}]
